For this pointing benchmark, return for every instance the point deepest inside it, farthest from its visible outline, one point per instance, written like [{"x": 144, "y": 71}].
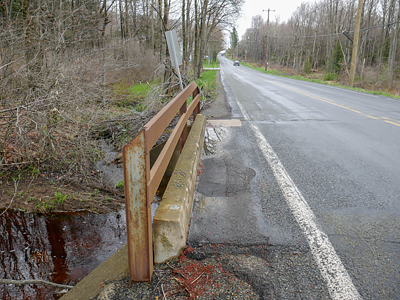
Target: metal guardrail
[{"x": 141, "y": 182}]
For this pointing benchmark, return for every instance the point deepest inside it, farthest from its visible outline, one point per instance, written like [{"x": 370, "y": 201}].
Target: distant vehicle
[{"x": 236, "y": 63}]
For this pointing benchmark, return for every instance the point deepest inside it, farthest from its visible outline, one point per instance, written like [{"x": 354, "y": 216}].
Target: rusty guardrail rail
[{"x": 141, "y": 182}]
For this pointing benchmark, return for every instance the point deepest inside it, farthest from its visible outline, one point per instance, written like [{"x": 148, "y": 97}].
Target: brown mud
[{"x": 36, "y": 193}]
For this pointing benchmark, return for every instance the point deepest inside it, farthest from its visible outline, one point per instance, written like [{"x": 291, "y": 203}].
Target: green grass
[
  {"x": 379, "y": 93},
  {"x": 328, "y": 77},
  {"x": 270, "y": 72},
  {"x": 141, "y": 89},
  {"x": 207, "y": 84},
  {"x": 211, "y": 65},
  {"x": 132, "y": 95},
  {"x": 120, "y": 184},
  {"x": 49, "y": 205},
  {"x": 60, "y": 197},
  {"x": 207, "y": 78}
]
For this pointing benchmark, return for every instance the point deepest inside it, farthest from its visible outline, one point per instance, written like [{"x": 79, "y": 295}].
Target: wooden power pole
[
  {"x": 355, "y": 44},
  {"x": 266, "y": 43}
]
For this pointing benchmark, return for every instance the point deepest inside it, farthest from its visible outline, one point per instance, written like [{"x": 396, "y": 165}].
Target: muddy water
[
  {"x": 65, "y": 248},
  {"x": 61, "y": 249}
]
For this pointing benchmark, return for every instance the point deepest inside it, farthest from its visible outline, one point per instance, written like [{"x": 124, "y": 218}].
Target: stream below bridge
[{"x": 60, "y": 248}]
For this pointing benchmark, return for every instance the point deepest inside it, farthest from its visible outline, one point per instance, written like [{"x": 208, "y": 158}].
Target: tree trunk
[
  {"x": 184, "y": 40},
  {"x": 393, "y": 49},
  {"x": 121, "y": 20},
  {"x": 202, "y": 38},
  {"x": 196, "y": 39},
  {"x": 33, "y": 50}
]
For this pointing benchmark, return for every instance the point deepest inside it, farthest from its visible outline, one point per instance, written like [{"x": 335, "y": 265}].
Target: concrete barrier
[{"x": 170, "y": 225}]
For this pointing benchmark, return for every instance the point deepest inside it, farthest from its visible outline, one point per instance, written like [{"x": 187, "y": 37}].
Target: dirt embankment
[
  {"x": 40, "y": 194},
  {"x": 32, "y": 191},
  {"x": 43, "y": 192}
]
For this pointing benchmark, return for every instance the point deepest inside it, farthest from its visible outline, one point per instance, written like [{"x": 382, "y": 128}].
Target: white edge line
[{"x": 338, "y": 281}]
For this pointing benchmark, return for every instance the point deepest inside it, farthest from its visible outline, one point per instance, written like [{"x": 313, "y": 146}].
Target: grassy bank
[
  {"x": 325, "y": 80},
  {"x": 322, "y": 78},
  {"x": 212, "y": 64},
  {"x": 207, "y": 84}
]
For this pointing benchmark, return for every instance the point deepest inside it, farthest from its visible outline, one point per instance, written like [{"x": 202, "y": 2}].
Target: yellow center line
[
  {"x": 325, "y": 100},
  {"x": 393, "y": 120},
  {"x": 393, "y": 123}
]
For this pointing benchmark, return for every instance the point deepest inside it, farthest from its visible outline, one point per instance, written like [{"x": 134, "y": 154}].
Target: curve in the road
[{"x": 384, "y": 119}]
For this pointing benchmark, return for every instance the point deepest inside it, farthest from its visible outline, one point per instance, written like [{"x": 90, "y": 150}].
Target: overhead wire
[
  {"x": 377, "y": 26},
  {"x": 304, "y": 36},
  {"x": 330, "y": 34}
]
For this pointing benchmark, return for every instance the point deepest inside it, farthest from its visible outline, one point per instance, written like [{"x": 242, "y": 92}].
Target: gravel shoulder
[{"x": 217, "y": 108}]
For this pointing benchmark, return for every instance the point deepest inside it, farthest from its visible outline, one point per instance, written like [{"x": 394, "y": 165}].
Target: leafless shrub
[
  {"x": 53, "y": 124},
  {"x": 131, "y": 61},
  {"x": 371, "y": 79}
]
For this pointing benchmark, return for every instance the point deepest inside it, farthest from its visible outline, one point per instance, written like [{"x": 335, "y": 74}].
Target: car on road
[{"x": 236, "y": 63}]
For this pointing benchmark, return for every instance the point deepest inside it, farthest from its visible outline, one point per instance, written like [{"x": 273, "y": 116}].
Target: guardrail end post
[{"x": 138, "y": 212}]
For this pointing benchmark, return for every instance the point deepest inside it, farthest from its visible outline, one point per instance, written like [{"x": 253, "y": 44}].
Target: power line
[
  {"x": 293, "y": 45},
  {"x": 330, "y": 34},
  {"x": 377, "y": 26},
  {"x": 304, "y": 36}
]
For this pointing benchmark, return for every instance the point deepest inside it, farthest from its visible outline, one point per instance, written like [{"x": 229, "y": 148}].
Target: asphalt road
[{"x": 313, "y": 173}]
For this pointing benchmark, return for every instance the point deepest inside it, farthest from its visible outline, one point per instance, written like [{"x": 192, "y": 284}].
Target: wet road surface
[{"x": 312, "y": 172}]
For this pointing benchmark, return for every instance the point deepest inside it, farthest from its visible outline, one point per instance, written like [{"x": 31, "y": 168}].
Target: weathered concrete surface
[
  {"x": 114, "y": 268},
  {"x": 170, "y": 225},
  {"x": 225, "y": 123}
]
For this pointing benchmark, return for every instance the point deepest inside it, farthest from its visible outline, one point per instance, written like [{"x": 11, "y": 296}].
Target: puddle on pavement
[
  {"x": 212, "y": 136},
  {"x": 216, "y": 131},
  {"x": 200, "y": 203},
  {"x": 62, "y": 249}
]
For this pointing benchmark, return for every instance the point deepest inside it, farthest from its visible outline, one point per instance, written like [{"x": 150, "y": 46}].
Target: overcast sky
[{"x": 283, "y": 8}]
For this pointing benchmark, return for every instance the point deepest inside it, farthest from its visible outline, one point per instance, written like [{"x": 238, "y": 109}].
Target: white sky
[{"x": 283, "y": 8}]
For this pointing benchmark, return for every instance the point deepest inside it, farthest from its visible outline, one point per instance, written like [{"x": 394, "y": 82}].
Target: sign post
[{"x": 173, "y": 47}]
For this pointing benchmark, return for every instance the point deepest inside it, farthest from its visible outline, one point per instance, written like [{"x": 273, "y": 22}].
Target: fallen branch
[
  {"x": 35, "y": 281},
  {"x": 162, "y": 288},
  {"x": 197, "y": 278}
]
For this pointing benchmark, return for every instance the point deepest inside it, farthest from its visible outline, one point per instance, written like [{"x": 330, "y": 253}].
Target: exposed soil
[{"x": 36, "y": 193}]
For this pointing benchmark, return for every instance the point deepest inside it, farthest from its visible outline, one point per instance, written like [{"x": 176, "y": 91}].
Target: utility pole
[
  {"x": 266, "y": 43},
  {"x": 355, "y": 44},
  {"x": 232, "y": 44}
]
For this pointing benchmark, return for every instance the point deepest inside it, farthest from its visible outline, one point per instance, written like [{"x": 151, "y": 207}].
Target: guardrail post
[
  {"x": 136, "y": 163},
  {"x": 141, "y": 182},
  {"x": 197, "y": 109},
  {"x": 183, "y": 137}
]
